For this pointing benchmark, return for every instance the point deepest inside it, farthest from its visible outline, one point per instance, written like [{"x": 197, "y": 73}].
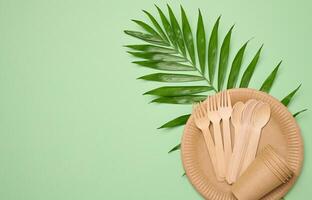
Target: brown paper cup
[
  {"x": 264, "y": 174},
  {"x": 277, "y": 164},
  {"x": 280, "y": 162}
]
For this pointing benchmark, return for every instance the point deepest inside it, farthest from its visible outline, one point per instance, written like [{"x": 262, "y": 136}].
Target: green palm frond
[
  {"x": 224, "y": 58},
  {"x": 268, "y": 83},
  {"x": 188, "y": 36},
  {"x": 286, "y": 100},
  {"x": 250, "y": 70},
  {"x": 236, "y": 66},
  {"x": 201, "y": 43},
  {"x": 179, "y": 121},
  {"x": 213, "y": 50},
  {"x": 299, "y": 112},
  {"x": 177, "y": 147},
  {"x": 171, "y": 48}
]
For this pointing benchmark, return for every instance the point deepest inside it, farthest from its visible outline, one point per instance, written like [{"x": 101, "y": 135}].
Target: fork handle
[
  {"x": 212, "y": 152},
  {"x": 219, "y": 149},
  {"x": 227, "y": 142}
]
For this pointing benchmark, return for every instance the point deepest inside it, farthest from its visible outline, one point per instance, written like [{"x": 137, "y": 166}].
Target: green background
[{"x": 73, "y": 122}]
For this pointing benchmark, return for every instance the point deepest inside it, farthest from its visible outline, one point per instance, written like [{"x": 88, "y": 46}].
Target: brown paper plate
[{"x": 281, "y": 132}]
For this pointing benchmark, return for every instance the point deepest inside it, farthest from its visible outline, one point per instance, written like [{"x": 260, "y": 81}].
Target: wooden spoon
[
  {"x": 241, "y": 143},
  {"x": 259, "y": 119},
  {"x": 236, "y": 121},
  {"x": 236, "y": 117}
]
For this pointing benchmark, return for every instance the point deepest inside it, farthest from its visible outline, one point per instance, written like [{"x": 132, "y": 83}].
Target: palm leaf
[
  {"x": 213, "y": 50},
  {"x": 188, "y": 36},
  {"x": 147, "y": 28},
  {"x": 179, "y": 121},
  {"x": 267, "y": 84},
  {"x": 175, "y": 148},
  {"x": 173, "y": 78},
  {"x": 166, "y": 49},
  {"x": 188, "y": 99},
  {"x": 167, "y": 27},
  {"x": 171, "y": 91},
  {"x": 286, "y": 100},
  {"x": 223, "y": 59},
  {"x": 177, "y": 30},
  {"x": 157, "y": 26},
  {"x": 201, "y": 42},
  {"x": 146, "y": 37},
  {"x": 152, "y": 49},
  {"x": 299, "y": 112},
  {"x": 158, "y": 56},
  {"x": 236, "y": 66},
  {"x": 165, "y": 65},
  {"x": 250, "y": 70}
]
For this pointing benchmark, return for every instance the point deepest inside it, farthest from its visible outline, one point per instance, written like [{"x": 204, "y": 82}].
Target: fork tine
[
  {"x": 196, "y": 106},
  {"x": 217, "y": 100},
  {"x": 204, "y": 108},
  {"x": 222, "y": 99},
  {"x": 229, "y": 99},
  {"x": 193, "y": 107},
  {"x": 225, "y": 98},
  {"x": 210, "y": 103},
  {"x": 216, "y": 103},
  {"x": 201, "y": 109},
  {"x": 196, "y": 110}
]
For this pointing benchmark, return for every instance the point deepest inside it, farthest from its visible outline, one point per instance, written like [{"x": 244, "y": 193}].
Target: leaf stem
[
  {"x": 209, "y": 83},
  {"x": 191, "y": 63}
]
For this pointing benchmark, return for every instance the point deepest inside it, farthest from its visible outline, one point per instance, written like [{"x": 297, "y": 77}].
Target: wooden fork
[
  {"x": 202, "y": 122},
  {"x": 225, "y": 111},
  {"x": 213, "y": 115}
]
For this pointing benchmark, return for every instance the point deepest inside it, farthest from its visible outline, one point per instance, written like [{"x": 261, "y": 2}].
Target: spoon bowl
[
  {"x": 261, "y": 115},
  {"x": 237, "y": 113},
  {"x": 248, "y": 111}
]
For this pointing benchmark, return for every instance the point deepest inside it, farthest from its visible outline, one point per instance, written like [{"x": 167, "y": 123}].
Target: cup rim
[
  {"x": 274, "y": 167},
  {"x": 276, "y": 163},
  {"x": 280, "y": 162}
]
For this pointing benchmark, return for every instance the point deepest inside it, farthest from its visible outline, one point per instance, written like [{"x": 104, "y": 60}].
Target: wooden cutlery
[
  {"x": 241, "y": 144},
  {"x": 225, "y": 111},
  {"x": 236, "y": 118},
  {"x": 231, "y": 155},
  {"x": 236, "y": 121},
  {"x": 214, "y": 116},
  {"x": 203, "y": 122},
  {"x": 259, "y": 119}
]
